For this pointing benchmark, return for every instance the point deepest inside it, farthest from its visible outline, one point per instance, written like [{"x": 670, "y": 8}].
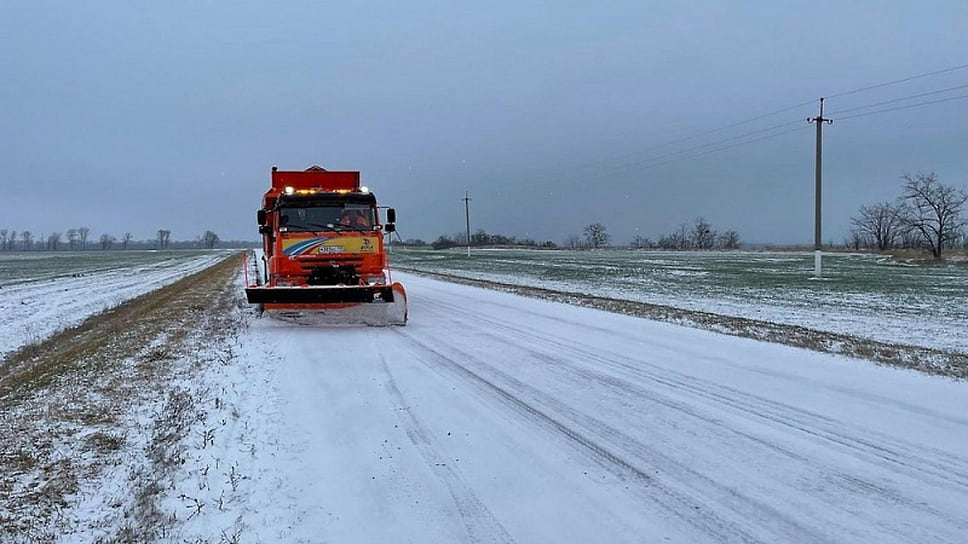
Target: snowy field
[
  {"x": 44, "y": 292},
  {"x": 861, "y": 295}
]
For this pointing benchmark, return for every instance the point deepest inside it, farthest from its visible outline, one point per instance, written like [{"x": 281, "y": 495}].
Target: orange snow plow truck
[{"x": 323, "y": 257}]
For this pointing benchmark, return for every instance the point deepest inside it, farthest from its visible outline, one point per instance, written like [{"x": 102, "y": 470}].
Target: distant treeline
[
  {"x": 78, "y": 239},
  {"x": 700, "y": 235},
  {"x": 478, "y": 238}
]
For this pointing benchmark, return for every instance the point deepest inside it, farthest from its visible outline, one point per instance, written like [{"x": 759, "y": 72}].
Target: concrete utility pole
[
  {"x": 467, "y": 218},
  {"x": 817, "y": 244}
]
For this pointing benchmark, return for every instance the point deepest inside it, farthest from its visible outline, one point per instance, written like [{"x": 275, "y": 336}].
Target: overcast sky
[{"x": 141, "y": 115}]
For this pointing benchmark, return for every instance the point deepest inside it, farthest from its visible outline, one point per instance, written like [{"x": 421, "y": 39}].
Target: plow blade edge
[{"x": 318, "y": 295}]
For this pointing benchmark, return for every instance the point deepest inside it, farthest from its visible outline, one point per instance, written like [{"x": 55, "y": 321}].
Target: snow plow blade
[
  {"x": 318, "y": 295},
  {"x": 373, "y": 306}
]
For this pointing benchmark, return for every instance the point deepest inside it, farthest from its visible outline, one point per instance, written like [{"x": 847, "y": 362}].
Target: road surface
[{"x": 497, "y": 418}]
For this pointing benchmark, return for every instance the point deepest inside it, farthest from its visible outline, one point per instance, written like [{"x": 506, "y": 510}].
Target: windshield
[{"x": 349, "y": 217}]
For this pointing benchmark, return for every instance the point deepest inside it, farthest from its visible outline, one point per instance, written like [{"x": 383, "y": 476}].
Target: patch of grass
[
  {"x": 156, "y": 354},
  {"x": 103, "y": 442},
  {"x": 19, "y": 460}
]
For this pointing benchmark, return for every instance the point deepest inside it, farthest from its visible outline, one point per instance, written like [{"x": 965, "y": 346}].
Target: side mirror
[
  {"x": 261, "y": 217},
  {"x": 391, "y": 215},
  {"x": 265, "y": 229},
  {"x": 390, "y": 227}
]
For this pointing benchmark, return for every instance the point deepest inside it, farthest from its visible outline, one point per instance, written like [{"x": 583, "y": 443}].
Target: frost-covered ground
[
  {"x": 861, "y": 295},
  {"x": 496, "y": 418},
  {"x": 489, "y": 418},
  {"x": 43, "y": 292}
]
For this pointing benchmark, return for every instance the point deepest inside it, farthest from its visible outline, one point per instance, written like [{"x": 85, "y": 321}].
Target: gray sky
[{"x": 140, "y": 115}]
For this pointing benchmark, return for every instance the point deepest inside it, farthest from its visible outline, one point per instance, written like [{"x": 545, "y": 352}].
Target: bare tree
[
  {"x": 12, "y": 238},
  {"x": 856, "y": 240},
  {"x": 106, "y": 241},
  {"x": 163, "y": 236},
  {"x": 3, "y": 239},
  {"x": 642, "y": 243},
  {"x": 679, "y": 239},
  {"x": 702, "y": 235},
  {"x": 480, "y": 238},
  {"x": 27, "y": 238},
  {"x": 82, "y": 234},
  {"x": 53, "y": 240},
  {"x": 933, "y": 210},
  {"x": 443, "y": 242},
  {"x": 882, "y": 223},
  {"x": 596, "y": 235},
  {"x": 72, "y": 237},
  {"x": 125, "y": 240},
  {"x": 209, "y": 239},
  {"x": 910, "y": 239},
  {"x": 573, "y": 242},
  {"x": 729, "y": 240}
]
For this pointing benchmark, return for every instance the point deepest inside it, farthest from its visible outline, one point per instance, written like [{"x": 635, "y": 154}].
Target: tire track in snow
[
  {"x": 479, "y": 522},
  {"x": 942, "y": 471},
  {"x": 919, "y": 462},
  {"x": 680, "y": 349},
  {"x": 616, "y": 452},
  {"x": 940, "y": 465}
]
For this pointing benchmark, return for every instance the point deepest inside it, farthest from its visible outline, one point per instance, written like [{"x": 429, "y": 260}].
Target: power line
[
  {"x": 691, "y": 137},
  {"x": 865, "y": 114},
  {"x": 902, "y": 99},
  {"x": 716, "y": 142},
  {"x": 651, "y": 161},
  {"x": 721, "y": 148},
  {"x": 623, "y": 167},
  {"x": 784, "y": 110},
  {"x": 715, "y": 145},
  {"x": 896, "y": 81},
  {"x": 646, "y": 165}
]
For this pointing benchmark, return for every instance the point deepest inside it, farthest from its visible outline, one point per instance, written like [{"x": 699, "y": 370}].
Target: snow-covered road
[{"x": 496, "y": 418}]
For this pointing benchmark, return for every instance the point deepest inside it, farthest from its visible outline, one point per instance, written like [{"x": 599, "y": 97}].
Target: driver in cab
[{"x": 353, "y": 218}]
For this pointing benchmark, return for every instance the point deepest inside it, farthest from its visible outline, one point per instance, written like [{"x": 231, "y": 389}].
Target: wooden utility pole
[
  {"x": 467, "y": 218},
  {"x": 817, "y": 243}
]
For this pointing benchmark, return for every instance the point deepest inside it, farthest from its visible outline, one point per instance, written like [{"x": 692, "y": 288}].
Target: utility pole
[
  {"x": 467, "y": 218},
  {"x": 817, "y": 244}
]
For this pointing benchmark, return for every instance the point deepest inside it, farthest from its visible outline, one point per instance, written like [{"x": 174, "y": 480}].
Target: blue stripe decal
[{"x": 305, "y": 246}]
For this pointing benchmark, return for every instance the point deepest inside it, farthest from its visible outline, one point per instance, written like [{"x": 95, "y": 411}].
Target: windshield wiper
[
  {"x": 324, "y": 227},
  {"x": 311, "y": 227}
]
